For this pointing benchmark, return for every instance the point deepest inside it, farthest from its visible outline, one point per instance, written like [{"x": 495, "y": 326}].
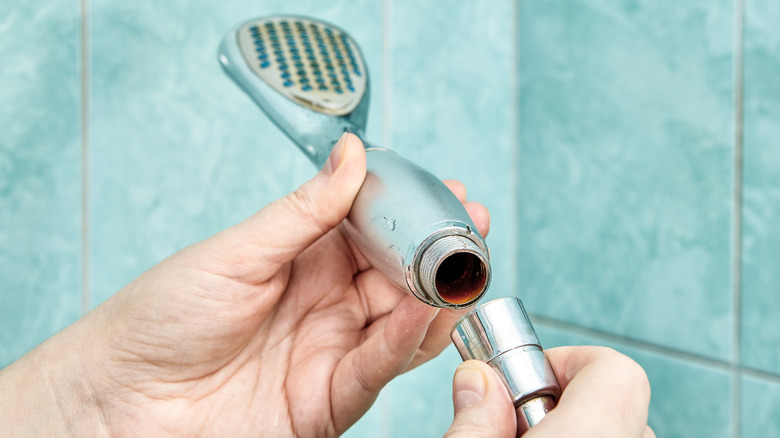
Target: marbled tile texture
[
  {"x": 758, "y": 409},
  {"x": 761, "y": 191},
  {"x": 625, "y": 168},
  {"x": 601, "y": 135},
  {"x": 40, "y": 172}
]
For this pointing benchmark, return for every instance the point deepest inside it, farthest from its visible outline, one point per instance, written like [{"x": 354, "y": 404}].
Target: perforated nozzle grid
[{"x": 309, "y": 61}]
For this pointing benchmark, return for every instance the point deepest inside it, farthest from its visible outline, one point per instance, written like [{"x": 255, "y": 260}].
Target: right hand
[{"x": 605, "y": 394}]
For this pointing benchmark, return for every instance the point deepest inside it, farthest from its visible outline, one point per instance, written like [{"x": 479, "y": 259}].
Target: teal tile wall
[
  {"x": 429, "y": 416},
  {"x": 451, "y": 106},
  {"x": 690, "y": 398},
  {"x": 625, "y": 168},
  {"x": 760, "y": 399},
  {"x": 603, "y": 136},
  {"x": 40, "y": 172},
  {"x": 761, "y": 191}
]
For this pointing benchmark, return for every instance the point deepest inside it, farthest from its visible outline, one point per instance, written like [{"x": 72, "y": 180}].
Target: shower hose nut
[{"x": 500, "y": 334}]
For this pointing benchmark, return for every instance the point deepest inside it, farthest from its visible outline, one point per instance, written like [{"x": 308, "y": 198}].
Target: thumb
[
  {"x": 482, "y": 404},
  {"x": 273, "y": 236}
]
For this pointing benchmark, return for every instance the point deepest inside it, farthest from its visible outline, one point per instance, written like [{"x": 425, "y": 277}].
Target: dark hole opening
[{"x": 460, "y": 278}]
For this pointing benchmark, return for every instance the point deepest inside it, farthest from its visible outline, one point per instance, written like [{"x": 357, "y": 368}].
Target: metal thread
[{"x": 452, "y": 270}]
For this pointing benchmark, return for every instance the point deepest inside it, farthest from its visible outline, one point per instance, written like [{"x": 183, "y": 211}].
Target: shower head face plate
[{"x": 312, "y": 63}]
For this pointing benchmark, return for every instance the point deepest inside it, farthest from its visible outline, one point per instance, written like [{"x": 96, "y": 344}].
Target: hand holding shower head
[{"x": 310, "y": 78}]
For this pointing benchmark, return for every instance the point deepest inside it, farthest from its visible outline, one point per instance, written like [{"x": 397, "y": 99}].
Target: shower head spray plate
[{"x": 312, "y": 63}]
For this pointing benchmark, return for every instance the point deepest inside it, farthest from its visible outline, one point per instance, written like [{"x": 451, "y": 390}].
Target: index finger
[
  {"x": 457, "y": 188},
  {"x": 478, "y": 212}
]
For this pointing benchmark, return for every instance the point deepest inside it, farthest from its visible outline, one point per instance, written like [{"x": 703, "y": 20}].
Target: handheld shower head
[
  {"x": 307, "y": 76},
  {"x": 310, "y": 78}
]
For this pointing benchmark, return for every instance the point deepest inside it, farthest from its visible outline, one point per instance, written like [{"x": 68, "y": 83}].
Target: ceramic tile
[
  {"x": 688, "y": 399},
  {"x": 422, "y": 398},
  {"x": 623, "y": 161},
  {"x": 179, "y": 152},
  {"x": 761, "y": 188},
  {"x": 452, "y": 107},
  {"x": 625, "y": 168},
  {"x": 760, "y": 402},
  {"x": 40, "y": 172}
]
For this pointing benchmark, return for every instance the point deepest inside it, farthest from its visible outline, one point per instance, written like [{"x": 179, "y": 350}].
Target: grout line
[
  {"x": 687, "y": 356},
  {"x": 759, "y": 374},
  {"x": 723, "y": 365},
  {"x": 85, "y": 162},
  {"x": 387, "y": 137},
  {"x": 515, "y": 154},
  {"x": 736, "y": 231}
]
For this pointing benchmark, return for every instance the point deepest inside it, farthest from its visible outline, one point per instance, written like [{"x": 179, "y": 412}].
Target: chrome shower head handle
[{"x": 311, "y": 79}]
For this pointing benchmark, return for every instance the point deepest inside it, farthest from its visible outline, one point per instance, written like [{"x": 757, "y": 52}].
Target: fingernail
[
  {"x": 468, "y": 386},
  {"x": 335, "y": 156}
]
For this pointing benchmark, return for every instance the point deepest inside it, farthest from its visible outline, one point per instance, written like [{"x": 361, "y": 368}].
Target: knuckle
[
  {"x": 631, "y": 373},
  {"x": 634, "y": 374}
]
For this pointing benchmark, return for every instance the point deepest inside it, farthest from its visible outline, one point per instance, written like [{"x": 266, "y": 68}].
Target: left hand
[{"x": 277, "y": 326}]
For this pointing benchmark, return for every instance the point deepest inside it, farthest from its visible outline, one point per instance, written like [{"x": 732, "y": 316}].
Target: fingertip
[
  {"x": 492, "y": 381},
  {"x": 479, "y": 378},
  {"x": 482, "y": 404},
  {"x": 457, "y": 188},
  {"x": 480, "y": 215},
  {"x": 336, "y": 154},
  {"x": 468, "y": 385},
  {"x": 353, "y": 155},
  {"x": 283, "y": 229},
  {"x": 335, "y": 188}
]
